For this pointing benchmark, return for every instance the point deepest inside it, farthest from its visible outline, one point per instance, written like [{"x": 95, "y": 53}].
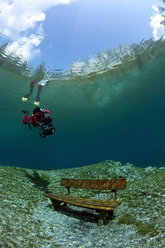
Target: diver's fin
[
  {"x": 24, "y": 99},
  {"x": 37, "y": 103}
]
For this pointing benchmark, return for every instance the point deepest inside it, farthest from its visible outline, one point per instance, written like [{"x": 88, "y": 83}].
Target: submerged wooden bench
[{"x": 105, "y": 208}]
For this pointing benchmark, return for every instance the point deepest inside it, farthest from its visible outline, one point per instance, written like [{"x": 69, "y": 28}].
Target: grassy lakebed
[{"x": 28, "y": 220}]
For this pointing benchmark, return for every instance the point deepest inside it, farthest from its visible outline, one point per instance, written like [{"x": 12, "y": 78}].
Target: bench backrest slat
[{"x": 101, "y": 184}]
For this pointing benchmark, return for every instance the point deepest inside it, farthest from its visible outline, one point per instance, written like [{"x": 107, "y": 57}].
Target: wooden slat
[
  {"x": 107, "y": 184},
  {"x": 85, "y": 202}
]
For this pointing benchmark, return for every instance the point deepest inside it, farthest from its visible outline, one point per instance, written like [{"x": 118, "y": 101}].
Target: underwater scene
[
  {"x": 115, "y": 112},
  {"x": 82, "y": 126}
]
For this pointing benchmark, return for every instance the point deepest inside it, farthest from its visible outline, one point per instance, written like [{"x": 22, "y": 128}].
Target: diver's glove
[{"x": 25, "y": 111}]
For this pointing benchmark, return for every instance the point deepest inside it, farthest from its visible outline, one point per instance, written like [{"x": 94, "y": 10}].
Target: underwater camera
[{"x": 46, "y": 131}]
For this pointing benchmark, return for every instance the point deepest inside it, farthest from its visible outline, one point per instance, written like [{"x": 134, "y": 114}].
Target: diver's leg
[
  {"x": 25, "y": 98},
  {"x": 37, "y": 100}
]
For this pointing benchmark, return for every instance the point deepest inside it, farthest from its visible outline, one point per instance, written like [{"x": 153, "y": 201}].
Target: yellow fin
[
  {"x": 36, "y": 103},
  {"x": 24, "y": 99}
]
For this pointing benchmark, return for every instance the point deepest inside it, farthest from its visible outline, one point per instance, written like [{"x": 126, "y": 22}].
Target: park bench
[{"x": 105, "y": 208}]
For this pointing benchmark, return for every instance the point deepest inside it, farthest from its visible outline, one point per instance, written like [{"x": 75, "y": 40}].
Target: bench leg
[
  {"x": 55, "y": 204},
  {"x": 104, "y": 216},
  {"x": 110, "y": 215}
]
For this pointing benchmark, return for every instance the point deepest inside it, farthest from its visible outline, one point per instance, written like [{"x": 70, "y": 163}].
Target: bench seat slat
[{"x": 85, "y": 202}]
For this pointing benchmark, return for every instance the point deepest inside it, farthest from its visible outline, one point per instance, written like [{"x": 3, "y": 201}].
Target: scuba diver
[
  {"x": 40, "y": 118},
  {"x": 41, "y": 79}
]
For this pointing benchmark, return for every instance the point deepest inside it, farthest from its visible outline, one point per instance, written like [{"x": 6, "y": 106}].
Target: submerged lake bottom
[{"x": 28, "y": 220}]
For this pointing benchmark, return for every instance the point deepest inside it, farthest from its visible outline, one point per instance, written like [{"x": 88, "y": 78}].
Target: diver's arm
[{"x": 26, "y": 120}]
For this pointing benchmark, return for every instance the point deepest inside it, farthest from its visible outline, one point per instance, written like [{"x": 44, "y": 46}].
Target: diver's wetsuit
[{"x": 38, "y": 118}]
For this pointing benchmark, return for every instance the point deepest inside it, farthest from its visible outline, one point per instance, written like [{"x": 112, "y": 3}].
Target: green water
[{"x": 114, "y": 115}]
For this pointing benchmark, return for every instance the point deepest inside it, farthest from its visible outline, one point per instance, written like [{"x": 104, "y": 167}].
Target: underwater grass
[{"x": 143, "y": 228}]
